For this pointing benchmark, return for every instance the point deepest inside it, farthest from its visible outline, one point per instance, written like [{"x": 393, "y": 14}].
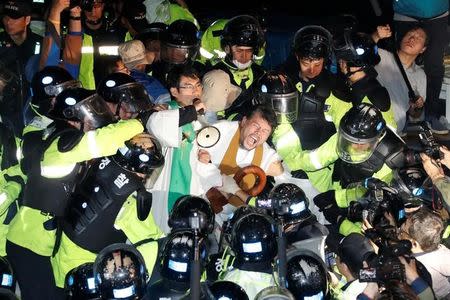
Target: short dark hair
[
  {"x": 175, "y": 74},
  {"x": 266, "y": 112},
  {"x": 426, "y": 228}
]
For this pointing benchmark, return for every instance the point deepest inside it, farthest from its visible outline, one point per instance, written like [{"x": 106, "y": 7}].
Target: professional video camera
[
  {"x": 379, "y": 198},
  {"x": 430, "y": 148},
  {"x": 385, "y": 266}
]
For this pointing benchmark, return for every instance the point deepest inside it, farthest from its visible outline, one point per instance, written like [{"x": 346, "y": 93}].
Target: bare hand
[
  {"x": 75, "y": 11},
  {"x": 433, "y": 169},
  {"x": 384, "y": 31},
  {"x": 410, "y": 269},
  {"x": 160, "y": 107},
  {"x": 446, "y": 159},
  {"x": 204, "y": 156},
  {"x": 60, "y": 5},
  {"x": 418, "y": 104},
  {"x": 198, "y": 104}
]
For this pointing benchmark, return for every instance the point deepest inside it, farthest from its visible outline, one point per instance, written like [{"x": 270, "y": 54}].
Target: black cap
[
  {"x": 354, "y": 249},
  {"x": 136, "y": 15},
  {"x": 17, "y": 9}
]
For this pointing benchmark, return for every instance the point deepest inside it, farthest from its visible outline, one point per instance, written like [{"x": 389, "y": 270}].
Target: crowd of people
[{"x": 144, "y": 157}]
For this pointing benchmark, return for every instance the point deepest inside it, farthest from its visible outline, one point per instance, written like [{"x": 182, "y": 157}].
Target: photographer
[
  {"x": 436, "y": 173},
  {"x": 17, "y": 45},
  {"x": 424, "y": 229}
]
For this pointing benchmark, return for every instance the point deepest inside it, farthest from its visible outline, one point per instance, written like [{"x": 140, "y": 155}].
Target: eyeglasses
[{"x": 192, "y": 87}]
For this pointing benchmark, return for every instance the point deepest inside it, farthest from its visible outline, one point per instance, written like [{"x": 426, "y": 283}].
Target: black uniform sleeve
[{"x": 187, "y": 115}]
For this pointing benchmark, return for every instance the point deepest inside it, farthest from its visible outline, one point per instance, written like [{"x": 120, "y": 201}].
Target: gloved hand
[
  {"x": 374, "y": 183},
  {"x": 355, "y": 210},
  {"x": 228, "y": 185},
  {"x": 300, "y": 174},
  {"x": 327, "y": 205}
]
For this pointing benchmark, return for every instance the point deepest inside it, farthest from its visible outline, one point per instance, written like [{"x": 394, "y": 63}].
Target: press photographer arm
[
  {"x": 420, "y": 287},
  {"x": 436, "y": 173}
]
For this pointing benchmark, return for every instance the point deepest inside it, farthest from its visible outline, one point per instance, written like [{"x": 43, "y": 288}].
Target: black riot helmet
[
  {"x": 123, "y": 90},
  {"x": 80, "y": 283},
  {"x": 243, "y": 30},
  {"x": 240, "y": 212},
  {"x": 6, "y": 272},
  {"x": 81, "y": 105},
  {"x": 312, "y": 42},
  {"x": 413, "y": 185},
  {"x": 357, "y": 49},
  {"x": 48, "y": 83},
  {"x": 153, "y": 31},
  {"x": 142, "y": 154},
  {"x": 360, "y": 131},
  {"x": 191, "y": 211},
  {"x": 120, "y": 272},
  {"x": 306, "y": 275},
  {"x": 292, "y": 201},
  {"x": 227, "y": 290},
  {"x": 253, "y": 240},
  {"x": 177, "y": 256},
  {"x": 180, "y": 43},
  {"x": 276, "y": 88}
]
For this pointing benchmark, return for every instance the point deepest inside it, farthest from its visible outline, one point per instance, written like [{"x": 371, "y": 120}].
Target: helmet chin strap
[{"x": 92, "y": 22}]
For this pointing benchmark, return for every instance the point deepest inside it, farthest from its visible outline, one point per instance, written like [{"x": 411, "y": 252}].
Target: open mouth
[{"x": 252, "y": 140}]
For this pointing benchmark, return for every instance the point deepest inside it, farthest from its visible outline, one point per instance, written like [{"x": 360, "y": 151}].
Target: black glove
[
  {"x": 300, "y": 174},
  {"x": 326, "y": 203},
  {"x": 144, "y": 204},
  {"x": 355, "y": 210},
  {"x": 374, "y": 183}
]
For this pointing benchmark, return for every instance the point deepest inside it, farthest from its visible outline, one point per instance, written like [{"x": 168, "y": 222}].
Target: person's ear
[
  {"x": 28, "y": 20},
  {"x": 227, "y": 49},
  {"x": 174, "y": 92}
]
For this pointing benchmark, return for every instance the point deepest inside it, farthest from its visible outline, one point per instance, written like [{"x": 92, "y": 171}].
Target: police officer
[
  {"x": 241, "y": 39},
  {"x": 133, "y": 19},
  {"x": 124, "y": 96},
  {"x": 111, "y": 205},
  {"x": 357, "y": 55},
  {"x": 120, "y": 272},
  {"x": 366, "y": 148},
  {"x": 99, "y": 41},
  {"x": 17, "y": 45},
  {"x": 179, "y": 46},
  {"x": 302, "y": 125},
  {"x": 55, "y": 160},
  {"x": 175, "y": 265},
  {"x": 253, "y": 241}
]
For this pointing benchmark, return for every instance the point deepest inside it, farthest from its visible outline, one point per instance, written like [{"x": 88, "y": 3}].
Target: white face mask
[{"x": 242, "y": 66}]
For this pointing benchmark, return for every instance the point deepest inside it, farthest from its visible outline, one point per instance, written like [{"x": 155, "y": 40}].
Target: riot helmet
[
  {"x": 123, "y": 90},
  {"x": 276, "y": 88},
  {"x": 7, "y": 275},
  {"x": 180, "y": 43},
  {"x": 227, "y": 290},
  {"x": 243, "y": 30},
  {"x": 253, "y": 239},
  {"x": 291, "y": 202},
  {"x": 49, "y": 83},
  {"x": 312, "y": 42},
  {"x": 184, "y": 211},
  {"x": 142, "y": 154},
  {"x": 120, "y": 272},
  {"x": 360, "y": 131},
  {"x": 306, "y": 275},
  {"x": 80, "y": 283},
  {"x": 356, "y": 49},
  {"x": 274, "y": 293},
  {"x": 81, "y": 105},
  {"x": 177, "y": 256}
]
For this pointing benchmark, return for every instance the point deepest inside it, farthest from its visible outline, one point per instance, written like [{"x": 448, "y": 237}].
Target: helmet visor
[
  {"x": 285, "y": 107},
  {"x": 355, "y": 151},
  {"x": 93, "y": 112},
  {"x": 133, "y": 98},
  {"x": 178, "y": 55},
  {"x": 55, "y": 90}
]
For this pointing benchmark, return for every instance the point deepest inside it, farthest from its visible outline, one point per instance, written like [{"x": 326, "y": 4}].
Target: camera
[
  {"x": 430, "y": 148},
  {"x": 386, "y": 266},
  {"x": 86, "y": 5},
  {"x": 373, "y": 206}
]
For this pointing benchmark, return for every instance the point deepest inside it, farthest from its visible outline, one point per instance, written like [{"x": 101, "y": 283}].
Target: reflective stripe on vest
[
  {"x": 57, "y": 171},
  {"x": 86, "y": 76}
]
